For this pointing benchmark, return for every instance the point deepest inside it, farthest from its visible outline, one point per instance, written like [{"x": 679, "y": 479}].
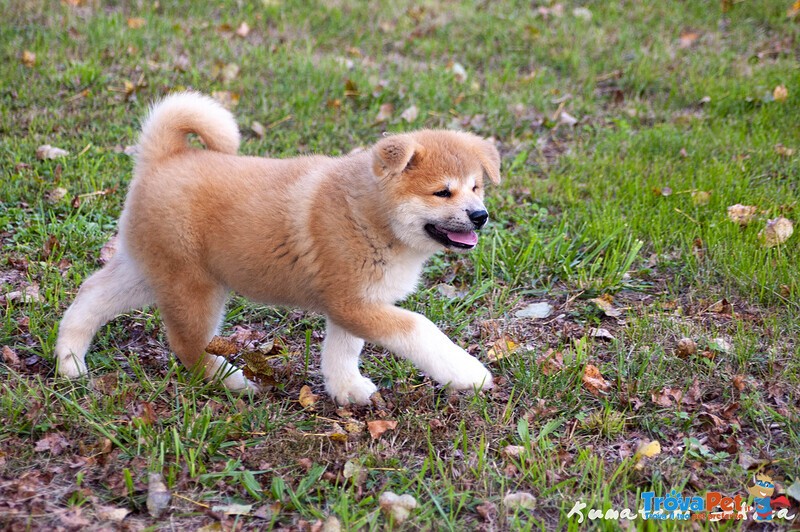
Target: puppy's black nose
[{"x": 478, "y": 218}]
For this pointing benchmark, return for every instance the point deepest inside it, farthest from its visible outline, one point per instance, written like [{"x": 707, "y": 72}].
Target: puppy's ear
[
  {"x": 490, "y": 160},
  {"x": 395, "y": 154}
]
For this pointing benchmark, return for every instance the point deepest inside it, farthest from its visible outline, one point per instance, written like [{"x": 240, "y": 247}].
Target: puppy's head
[{"x": 434, "y": 184}]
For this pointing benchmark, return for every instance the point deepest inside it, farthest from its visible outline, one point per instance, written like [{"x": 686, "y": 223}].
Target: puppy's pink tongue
[{"x": 468, "y": 239}]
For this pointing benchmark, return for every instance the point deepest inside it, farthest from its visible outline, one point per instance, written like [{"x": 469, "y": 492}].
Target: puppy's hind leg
[
  {"x": 117, "y": 288},
  {"x": 343, "y": 382},
  {"x": 192, "y": 306}
]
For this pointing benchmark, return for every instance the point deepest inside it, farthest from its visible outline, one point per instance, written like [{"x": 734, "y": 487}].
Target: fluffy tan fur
[{"x": 343, "y": 236}]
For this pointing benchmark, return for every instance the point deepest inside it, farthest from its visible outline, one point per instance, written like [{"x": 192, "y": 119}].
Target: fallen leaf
[
  {"x": 55, "y": 195},
  {"x": 337, "y": 434},
  {"x": 135, "y": 23},
  {"x": 459, "y": 72},
  {"x": 108, "y": 250},
  {"x": 667, "y": 397},
  {"x": 307, "y": 398},
  {"x": 233, "y": 509},
  {"x": 379, "y": 426},
  {"x": 582, "y": 13},
  {"x": 487, "y": 511},
  {"x": 748, "y": 462},
  {"x": 384, "y": 113},
  {"x": 355, "y": 472},
  {"x": 243, "y": 30},
  {"x": 551, "y": 362},
  {"x": 228, "y": 99},
  {"x": 741, "y": 214},
  {"x": 701, "y": 197},
  {"x": 594, "y": 381},
  {"x": 158, "y": 495},
  {"x": 648, "y": 450},
  {"x": 410, "y": 114},
  {"x": 111, "y": 513},
  {"x": 53, "y": 442},
  {"x": 686, "y": 347},
  {"x": 47, "y": 151},
  {"x": 739, "y": 382},
  {"x": 776, "y": 232},
  {"x": 605, "y": 304},
  {"x": 229, "y": 72},
  {"x": 780, "y": 93},
  {"x": 513, "y": 451},
  {"x": 600, "y": 333},
  {"x": 182, "y": 63},
  {"x": 398, "y": 507},
  {"x": 258, "y": 128},
  {"x": 10, "y": 357},
  {"x": 783, "y": 151},
  {"x": 666, "y": 192},
  {"x": 221, "y": 346},
  {"x": 520, "y": 500},
  {"x": 793, "y": 491},
  {"x": 687, "y": 39},
  {"x": 29, "y": 295},
  {"x": 566, "y": 119},
  {"x": 28, "y": 58},
  {"x": 501, "y": 348},
  {"x": 536, "y": 310},
  {"x": 720, "y": 345},
  {"x": 331, "y": 524}
]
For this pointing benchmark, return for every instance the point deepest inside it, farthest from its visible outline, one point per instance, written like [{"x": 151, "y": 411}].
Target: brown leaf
[
  {"x": 780, "y": 93},
  {"x": 776, "y": 232},
  {"x": 741, "y": 214},
  {"x": 243, "y": 30},
  {"x": 783, "y": 151},
  {"x": 686, "y": 347},
  {"x": 410, "y": 114},
  {"x": 604, "y": 334},
  {"x": 551, "y": 362},
  {"x": 307, "y": 398},
  {"x": 221, "y": 346},
  {"x": 520, "y": 499},
  {"x": 379, "y": 426},
  {"x": 158, "y": 495},
  {"x": 501, "y": 348},
  {"x": 28, "y": 58},
  {"x": 397, "y": 506},
  {"x": 46, "y": 151},
  {"x": 135, "y": 23},
  {"x": 108, "y": 250},
  {"x": 55, "y": 195},
  {"x": 605, "y": 304},
  {"x": 384, "y": 113},
  {"x": 693, "y": 395},
  {"x": 594, "y": 381},
  {"x": 53, "y": 442},
  {"x": 111, "y": 513},
  {"x": 258, "y": 129},
  {"x": 228, "y": 99},
  {"x": 739, "y": 382},
  {"x": 10, "y": 357},
  {"x": 667, "y": 397},
  {"x": 687, "y": 39}
]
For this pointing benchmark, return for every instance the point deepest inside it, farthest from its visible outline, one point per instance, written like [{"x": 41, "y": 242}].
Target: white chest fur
[{"x": 400, "y": 277}]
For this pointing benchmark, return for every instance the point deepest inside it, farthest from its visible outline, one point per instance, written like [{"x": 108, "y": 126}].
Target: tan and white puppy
[{"x": 343, "y": 236}]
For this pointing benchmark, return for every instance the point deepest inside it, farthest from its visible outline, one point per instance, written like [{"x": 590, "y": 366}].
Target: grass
[{"x": 673, "y": 100}]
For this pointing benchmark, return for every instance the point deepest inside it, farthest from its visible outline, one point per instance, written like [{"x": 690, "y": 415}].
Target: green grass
[{"x": 583, "y": 211}]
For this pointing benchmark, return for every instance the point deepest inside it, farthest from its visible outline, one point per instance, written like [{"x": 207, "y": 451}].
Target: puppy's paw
[
  {"x": 469, "y": 374},
  {"x": 237, "y": 382},
  {"x": 71, "y": 367},
  {"x": 357, "y": 390}
]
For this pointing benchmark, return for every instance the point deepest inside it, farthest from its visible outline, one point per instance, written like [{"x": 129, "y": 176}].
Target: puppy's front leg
[
  {"x": 414, "y": 337},
  {"x": 339, "y": 365}
]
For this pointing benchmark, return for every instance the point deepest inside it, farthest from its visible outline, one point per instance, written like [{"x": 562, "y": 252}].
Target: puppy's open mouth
[{"x": 451, "y": 238}]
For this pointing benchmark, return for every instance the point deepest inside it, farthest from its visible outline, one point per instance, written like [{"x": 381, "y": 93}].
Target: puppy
[{"x": 343, "y": 236}]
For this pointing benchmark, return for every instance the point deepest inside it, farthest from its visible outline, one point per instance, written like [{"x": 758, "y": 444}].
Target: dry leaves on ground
[
  {"x": 378, "y": 427},
  {"x": 397, "y": 506},
  {"x": 594, "y": 382}
]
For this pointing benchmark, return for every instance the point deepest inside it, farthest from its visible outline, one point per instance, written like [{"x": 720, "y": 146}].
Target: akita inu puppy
[{"x": 343, "y": 236}]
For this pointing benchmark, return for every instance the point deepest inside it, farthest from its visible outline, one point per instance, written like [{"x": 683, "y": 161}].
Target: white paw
[
  {"x": 71, "y": 366},
  {"x": 355, "y": 390},
  {"x": 237, "y": 382},
  {"x": 231, "y": 377},
  {"x": 467, "y": 374}
]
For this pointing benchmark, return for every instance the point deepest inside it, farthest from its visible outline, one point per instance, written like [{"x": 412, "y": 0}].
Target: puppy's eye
[
  {"x": 443, "y": 193},
  {"x": 475, "y": 188}
]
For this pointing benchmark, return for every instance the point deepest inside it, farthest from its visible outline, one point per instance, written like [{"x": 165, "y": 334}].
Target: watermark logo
[{"x": 713, "y": 506}]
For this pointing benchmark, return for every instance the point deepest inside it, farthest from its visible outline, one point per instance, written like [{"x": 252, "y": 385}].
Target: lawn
[{"x": 668, "y": 355}]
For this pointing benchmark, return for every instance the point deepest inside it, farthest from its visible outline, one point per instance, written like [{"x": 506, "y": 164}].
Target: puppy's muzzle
[{"x": 478, "y": 218}]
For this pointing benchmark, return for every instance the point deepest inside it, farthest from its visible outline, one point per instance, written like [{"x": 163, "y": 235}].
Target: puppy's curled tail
[{"x": 169, "y": 122}]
